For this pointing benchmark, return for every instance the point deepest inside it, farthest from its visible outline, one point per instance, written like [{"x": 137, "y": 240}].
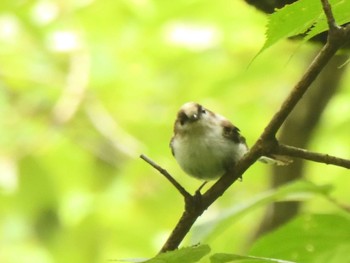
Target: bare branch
[
  {"x": 327, "y": 9},
  {"x": 312, "y": 156},
  {"x": 171, "y": 179},
  {"x": 297, "y": 93},
  {"x": 337, "y": 37},
  {"x": 197, "y": 204}
]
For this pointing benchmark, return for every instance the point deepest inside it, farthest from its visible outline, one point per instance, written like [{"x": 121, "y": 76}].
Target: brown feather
[{"x": 232, "y": 132}]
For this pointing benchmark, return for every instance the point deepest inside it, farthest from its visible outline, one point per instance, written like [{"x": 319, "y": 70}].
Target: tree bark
[{"x": 298, "y": 131}]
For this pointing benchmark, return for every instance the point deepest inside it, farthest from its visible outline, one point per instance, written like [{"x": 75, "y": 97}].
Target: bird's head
[
  {"x": 190, "y": 112},
  {"x": 193, "y": 117}
]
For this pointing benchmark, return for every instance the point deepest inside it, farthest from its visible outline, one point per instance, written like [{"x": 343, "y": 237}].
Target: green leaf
[
  {"x": 299, "y": 190},
  {"x": 341, "y": 10},
  {"x": 337, "y": 255},
  {"x": 183, "y": 255},
  {"x": 308, "y": 238},
  {"x": 303, "y": 16},
  {"x": 223, "y": 257},
  {"x": 292, "y": 20}
]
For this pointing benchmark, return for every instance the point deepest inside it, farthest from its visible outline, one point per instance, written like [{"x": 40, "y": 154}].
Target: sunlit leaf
[
  {"x": 183, "y": 255},
  {"x": 308, "y": 238},
  {"x": 300, "y": 17},
  {"x": 299, "y": 190},
  {"x": 341, "y": 10},
  {"x": 223, "y": 258}
]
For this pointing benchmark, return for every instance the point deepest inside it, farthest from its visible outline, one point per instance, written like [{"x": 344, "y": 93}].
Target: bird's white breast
[{"x": 205, "y": 154}]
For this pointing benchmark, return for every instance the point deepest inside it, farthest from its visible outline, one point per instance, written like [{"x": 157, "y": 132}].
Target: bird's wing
[{"x": 232, "y": 132}]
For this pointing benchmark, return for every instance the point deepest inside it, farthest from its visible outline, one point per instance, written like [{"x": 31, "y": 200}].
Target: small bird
[{"x": 206, "y": 145}]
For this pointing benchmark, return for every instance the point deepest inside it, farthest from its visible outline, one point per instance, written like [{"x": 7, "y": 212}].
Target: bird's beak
[
  {"x": 188, "y": 117},
  {"x": 193, "y": 117},
  {"x": 189, "y": 112}
]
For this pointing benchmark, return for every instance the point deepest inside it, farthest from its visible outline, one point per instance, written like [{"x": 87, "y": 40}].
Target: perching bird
[{"x": 206, "y": 145}]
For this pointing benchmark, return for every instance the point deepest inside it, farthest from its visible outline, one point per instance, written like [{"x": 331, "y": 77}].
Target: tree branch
[
  {"x": 303, "y": 120},
  {"x": 171, "y": 179},
  {"x": 312, "y": 156},
  {"x": 195, "y": 206},
  {"x": 327, "y": 9},
  {"x": 266, "y": 144},
  {"x": 337, "y": 36}
]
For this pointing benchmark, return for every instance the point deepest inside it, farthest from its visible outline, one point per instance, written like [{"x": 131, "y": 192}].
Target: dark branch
[
  {"x": 312, "y": 156},
  {"x": 327, "y": 9},
  {"x": 338, "y": 36},
  {"x": 197, "y": 204},
  {"x": 164, "y": 172},
  {"x": 299, "y": 90}
]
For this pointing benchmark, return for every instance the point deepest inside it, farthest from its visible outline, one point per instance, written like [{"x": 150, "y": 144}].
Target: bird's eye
[
  {"x": 204, "y": 111},
  {"x": 182, "y": 117}
]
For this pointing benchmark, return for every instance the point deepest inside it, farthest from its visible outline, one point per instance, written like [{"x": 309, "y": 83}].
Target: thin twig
[
  {"x": 171, "y": 179},
  {"x": 195, "y": 209},
  {"x": 337, "y": 37},
  {"x": 298, "y": 91},
  {"x": 327, "y": 9},
  {"x": 266, "y": 144},
  {"x": 313, "y": 156}
]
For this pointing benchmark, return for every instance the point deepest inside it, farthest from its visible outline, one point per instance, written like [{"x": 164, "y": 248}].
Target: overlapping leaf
[{"x": 303, "y": 16}]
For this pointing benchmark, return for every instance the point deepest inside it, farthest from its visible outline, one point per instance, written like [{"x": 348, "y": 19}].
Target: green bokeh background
[{"x": 87, "y": 86}]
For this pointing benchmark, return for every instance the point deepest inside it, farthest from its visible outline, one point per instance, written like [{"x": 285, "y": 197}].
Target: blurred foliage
[
  {"x": 186, "y": 255},
  {"x": 86, "y": 86},
  {"x": 309, "y": 238}
]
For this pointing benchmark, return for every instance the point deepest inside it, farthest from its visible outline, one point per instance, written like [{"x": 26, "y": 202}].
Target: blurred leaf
[
  {"x": 71, "y": 183},
  {"x": 299, "y": 190},
  {"x": 339, "y": 254},
  {"x": 183, "y": 255},
  {"x": 222, "y": 258},
  {"x": 308, "y": 238}
]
